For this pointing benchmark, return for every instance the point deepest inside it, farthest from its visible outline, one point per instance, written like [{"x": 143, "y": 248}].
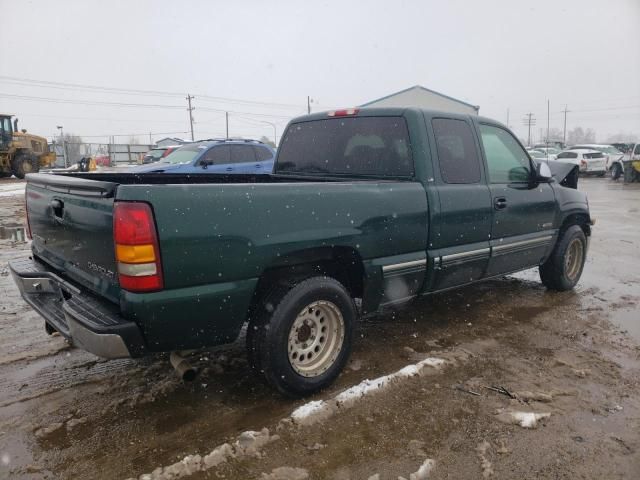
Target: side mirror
[{"x": 543, "y": 172}]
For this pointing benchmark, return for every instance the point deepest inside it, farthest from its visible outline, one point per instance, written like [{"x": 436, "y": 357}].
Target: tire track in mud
[{"x": 21, "y": 382}]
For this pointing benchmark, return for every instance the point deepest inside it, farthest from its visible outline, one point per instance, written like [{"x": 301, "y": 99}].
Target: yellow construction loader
[{"x": 21, "y": 152}]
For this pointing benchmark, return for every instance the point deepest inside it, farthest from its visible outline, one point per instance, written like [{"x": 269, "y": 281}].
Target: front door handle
[
  {"x": 229, "y": 169},
  {"x": 500, "y": 203}
]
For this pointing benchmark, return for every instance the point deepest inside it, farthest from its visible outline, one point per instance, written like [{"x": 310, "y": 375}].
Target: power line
[
  {"x": 130, "y": 91},
  {"x": 88, "y": 102},
  {"x": 131, "y": 105}
]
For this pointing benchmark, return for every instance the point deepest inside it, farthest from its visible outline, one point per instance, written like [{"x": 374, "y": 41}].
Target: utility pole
[
  {"x": 548, "y": 120},
  {"x": 226, "y": 118},
  {"x": 564, "y": 133},
  {"x": 150, "y": 140},
  {"x": 529, "y": 121},
  {"x": 308, "y": 104},
  {"x": 190, "y": 109},
  {"x": 64, "y": 146},
  {"x": 507, "y": 118}
]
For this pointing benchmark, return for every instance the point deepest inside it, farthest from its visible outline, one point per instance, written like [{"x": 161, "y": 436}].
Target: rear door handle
[
  {"x": 229, "y": 169},
  {"x": 500, "y": 203},
  {"x": 258, "y": 165}
]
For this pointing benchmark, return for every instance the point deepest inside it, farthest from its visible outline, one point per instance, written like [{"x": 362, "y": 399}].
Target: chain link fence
[{"x": 105, "y": 154}]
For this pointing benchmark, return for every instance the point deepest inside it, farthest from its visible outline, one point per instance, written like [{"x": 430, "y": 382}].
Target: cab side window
[
  {"x": 508, "y": 162},
  {"x": 457, "y": 154}
]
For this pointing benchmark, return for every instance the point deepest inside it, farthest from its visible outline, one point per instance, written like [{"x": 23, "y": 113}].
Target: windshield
[
  {"x": 185, "y": 154},
  {"x": 610, "y": 149},
  {"x": 156, "y": 153}
]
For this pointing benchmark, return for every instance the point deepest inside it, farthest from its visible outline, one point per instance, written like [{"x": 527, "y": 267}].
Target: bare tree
[
  {"x": 589, "y": 136},
  {"x": 74, "y": 146},
  {"x": 622, "y": 137},
  {"x": 266, "y": 140}
]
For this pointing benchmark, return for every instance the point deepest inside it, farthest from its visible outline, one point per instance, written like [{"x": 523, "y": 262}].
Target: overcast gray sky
[{"x": 499, "y": 54}]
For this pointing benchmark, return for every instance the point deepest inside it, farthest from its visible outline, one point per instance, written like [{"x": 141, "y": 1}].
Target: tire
[
  {"x": 563, "y": 268},
  {"x": 300, "y": 336},
  {"x": 616, "y": 171},
  {"x": 24, "y": 163}
]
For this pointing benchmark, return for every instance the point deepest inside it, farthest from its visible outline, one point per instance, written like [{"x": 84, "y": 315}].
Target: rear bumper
[{"x": 87, "y": 321}]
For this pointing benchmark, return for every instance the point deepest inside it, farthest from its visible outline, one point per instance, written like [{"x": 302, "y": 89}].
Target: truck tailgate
[{"x": 72, "y": 228}]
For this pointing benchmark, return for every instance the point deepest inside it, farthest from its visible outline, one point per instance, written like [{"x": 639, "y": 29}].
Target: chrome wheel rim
[
  {"x": 573, "y": 259},
  {"x": 26, "y": 166},
  {"x": 316, "y": 338}
]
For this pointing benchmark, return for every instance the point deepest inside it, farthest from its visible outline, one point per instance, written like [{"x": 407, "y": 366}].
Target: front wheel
[
  {"x": 24, "y": 163},
  {"x": 563, "y": 268},
  {"x": 300, "y": 338},
  {"x": 616, "y": 171}
]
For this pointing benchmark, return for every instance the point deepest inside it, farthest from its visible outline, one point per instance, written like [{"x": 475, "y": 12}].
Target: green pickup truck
[{"x": 365, "y": 208}]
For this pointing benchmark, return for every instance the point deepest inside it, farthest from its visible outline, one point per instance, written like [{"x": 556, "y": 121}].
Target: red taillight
[
  {"x": 26, "y": 209},
  {"x": 136, "y": 247},
  {"x": 583, "y": 162},
  {"x": 343, "y": 113}
]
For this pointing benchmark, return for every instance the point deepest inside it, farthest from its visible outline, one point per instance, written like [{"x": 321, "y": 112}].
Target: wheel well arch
[
  {"x": 582, "y": 219},
  {"x": 340, "y": 262}
]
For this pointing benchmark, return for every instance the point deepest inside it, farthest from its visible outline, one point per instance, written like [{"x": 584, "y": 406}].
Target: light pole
[{"x": 64, "y": 146}]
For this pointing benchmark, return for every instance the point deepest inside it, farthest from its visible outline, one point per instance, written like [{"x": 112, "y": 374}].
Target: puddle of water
[
  {"x": 15, "y": 234},
  {"x": 628, "y": 320}
]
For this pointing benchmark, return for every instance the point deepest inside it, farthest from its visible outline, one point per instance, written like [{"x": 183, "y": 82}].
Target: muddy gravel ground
[{"x": 571, "y": 358}]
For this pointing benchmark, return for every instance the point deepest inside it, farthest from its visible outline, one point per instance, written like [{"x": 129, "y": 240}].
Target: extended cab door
[
  {"x": 523, "y": 212},
  {"x": 459, "y": 238}
]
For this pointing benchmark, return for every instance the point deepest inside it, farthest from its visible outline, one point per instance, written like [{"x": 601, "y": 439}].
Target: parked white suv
[
  {"x": 588, "y": 160},
  {"x": 613, "y": 156}
]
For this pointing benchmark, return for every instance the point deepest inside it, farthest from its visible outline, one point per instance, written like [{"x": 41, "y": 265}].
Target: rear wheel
[
  {"x": 24, "y": 163},
  {"x": 616, "y": 171},
  {"x": 563, "y": 268},
  {"x": 300, "y": 337}
]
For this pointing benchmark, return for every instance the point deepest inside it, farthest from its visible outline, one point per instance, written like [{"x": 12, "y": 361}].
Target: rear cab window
[
  {"x": 363, "y": 146},
  {"x": 567, "y": 155}
]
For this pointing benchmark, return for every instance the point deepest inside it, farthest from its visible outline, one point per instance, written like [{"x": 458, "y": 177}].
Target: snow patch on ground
[
  {"x": 247, "y": 444},
  {"x": 524, "y": 419},
  {"x": 425, "y": 469},
  {"x": 12, "y": 189}
]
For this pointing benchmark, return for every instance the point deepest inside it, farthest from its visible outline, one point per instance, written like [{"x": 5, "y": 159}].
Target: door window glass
[
  {"x": 457, "y": 152},
  {"x": 242, "y": 154},
  {"x": 508, "y": 162},
  {"x": 217, "y": 155}
]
